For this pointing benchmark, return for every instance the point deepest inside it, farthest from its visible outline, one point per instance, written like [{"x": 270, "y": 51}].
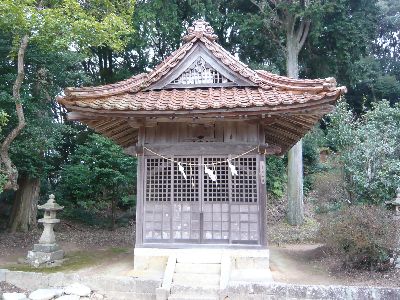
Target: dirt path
[
  {"x": 98, "y": 251},
  {"x": 299, "y": 264}
]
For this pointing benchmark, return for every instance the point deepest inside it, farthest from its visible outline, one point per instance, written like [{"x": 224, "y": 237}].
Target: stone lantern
[
  {"x": 395, "y": 203},
  {"x": 47, "y": 251}
]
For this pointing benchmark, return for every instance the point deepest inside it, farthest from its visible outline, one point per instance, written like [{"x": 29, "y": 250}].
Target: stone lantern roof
[
  {"x": 396, "y": 200},
  {"x": 51, "y": 204}
]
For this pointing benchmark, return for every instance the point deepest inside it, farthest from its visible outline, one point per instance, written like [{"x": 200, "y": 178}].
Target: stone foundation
[
  {"x": 44, "y": 254},
  {"x": 120, "y": 288}
]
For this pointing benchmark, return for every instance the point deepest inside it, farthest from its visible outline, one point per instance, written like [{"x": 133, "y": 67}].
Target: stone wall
[
  {"x": 397, "y": 252},
  {"x": 133, "y": 288},
  {"x": 275, "y": 291},
  {"x": 114, "y": 287}
]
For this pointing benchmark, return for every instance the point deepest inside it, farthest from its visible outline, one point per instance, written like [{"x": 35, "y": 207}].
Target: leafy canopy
[
  {"x": 66, "y": 24},
  {"x": 369, "y": 150},
  {"x": 98, "y": 171}
]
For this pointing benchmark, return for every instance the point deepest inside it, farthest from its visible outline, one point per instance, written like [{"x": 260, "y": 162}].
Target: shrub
[
  {"x": 312, "y": 142},
  {"x": 276, "y": 175},
  {"x": 369, "y": 151},
  {"x": 329, "y": 191},
  {"x": 97, "y": 176},
  {"x": 364, "y": 236}
]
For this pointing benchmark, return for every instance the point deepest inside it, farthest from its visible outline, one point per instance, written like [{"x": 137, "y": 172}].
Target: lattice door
[
  {"x": 157, "y": 206},
  {"x": 186, "y": 202},
  {"x": 216, "y": 202},
  {"x": 244, "y": 202},
  {"x": 197, "y": 209}
]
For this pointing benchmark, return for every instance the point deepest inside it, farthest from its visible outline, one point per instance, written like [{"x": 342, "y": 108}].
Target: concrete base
[
  {"x": 146, "y": 258},
  {"x": 39, "y": 258},
  {"x": 129, "y": 288},
  {"x": 192, "y": 268},
  {"x": 48, "y": 248}
]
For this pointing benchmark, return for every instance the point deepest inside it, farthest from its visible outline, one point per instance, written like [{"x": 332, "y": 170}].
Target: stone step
[
  {"x": 198, "y": 268},
  {"x": 203, "y": 291},
  {"x": 113, "y": 295},
  {"x": 190, "y": 297},
  {"x": 250, "y": 275},
  {"x": 199, "y": 259},
  {"x": 192, "y": 279}
]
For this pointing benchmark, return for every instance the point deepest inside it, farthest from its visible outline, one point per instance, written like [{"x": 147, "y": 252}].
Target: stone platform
[
  {"x": 44, "y": 254},
  {"x": 205, "y": 271},
  {"x": 121, "y": 288}
]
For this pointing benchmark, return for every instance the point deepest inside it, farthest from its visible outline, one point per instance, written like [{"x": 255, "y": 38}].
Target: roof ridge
[{"x": 203, "y": 34}]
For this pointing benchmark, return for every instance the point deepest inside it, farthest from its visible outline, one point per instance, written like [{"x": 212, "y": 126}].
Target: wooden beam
[
  {"x": 291, "y": 128},
  {"x": 212, "y": 148},
  {"x": 283, "y": 132},
  {"x": 78, "y": 116},
  {"x": 279, "y": 139}
]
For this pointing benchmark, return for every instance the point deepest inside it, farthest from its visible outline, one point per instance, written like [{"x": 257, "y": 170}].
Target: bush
[
  {"x": 312, "y": 142},
  {"x": 369, "y": 151},
  {"x": 276, "y": 175},
  {"x": 329, "y": 191},
  {"x": 97, "y": 177},
  {"x": 364, "y": 236}
]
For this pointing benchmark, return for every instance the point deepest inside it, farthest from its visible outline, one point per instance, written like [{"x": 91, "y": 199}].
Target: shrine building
[{"x": 201, "y": 124}]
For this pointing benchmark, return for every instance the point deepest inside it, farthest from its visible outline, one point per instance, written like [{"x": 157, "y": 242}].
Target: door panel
[
  {"x": 244, "y": 201},
  {"x": 157, "y": 204},
  {"x": 198, "y": 209},
  {"x": 215, "y": 201},
  {"x": 186, "y": 201}
]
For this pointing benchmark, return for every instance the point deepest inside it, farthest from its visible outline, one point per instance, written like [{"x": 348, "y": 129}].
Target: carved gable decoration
[
  {"x": 200, "y": 63},
  {"x": 200, "y": 72}
]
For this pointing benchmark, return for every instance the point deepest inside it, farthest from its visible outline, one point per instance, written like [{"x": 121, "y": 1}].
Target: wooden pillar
[
  {"x": 140, "y": 195},
  {"x": 262, "y": 190},
  {"x": 263, "y": 201}
]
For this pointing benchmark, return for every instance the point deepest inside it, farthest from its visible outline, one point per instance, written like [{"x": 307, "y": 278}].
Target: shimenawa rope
[{"x": 199, "y": 165}]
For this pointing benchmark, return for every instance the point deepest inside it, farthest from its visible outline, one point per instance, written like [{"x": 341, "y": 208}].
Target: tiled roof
[
  {"x": 202, "y": 99},
  {"x": 296, "y": 104},
  {"x": 273, "y": 83}
]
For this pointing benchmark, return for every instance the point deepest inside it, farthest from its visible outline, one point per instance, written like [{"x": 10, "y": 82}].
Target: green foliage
[
  {"x": 311, "y": 151},
  {"x": 3, "y": 119},
  {"x": 276, "y": 175},
  {"x": 369, "y": 151},
  {"x": 97, "y": 173},
  {"x": 363, "y": 236},
  {"x": 128, "y": 201},
  {"x": 60, "y": 25}
]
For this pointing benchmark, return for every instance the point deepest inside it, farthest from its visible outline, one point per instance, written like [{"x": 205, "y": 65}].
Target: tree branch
[
  {"x": 305, "y": 34},
  {"x": 11, "y": 170},
  {"x": 300, "y": 31}
]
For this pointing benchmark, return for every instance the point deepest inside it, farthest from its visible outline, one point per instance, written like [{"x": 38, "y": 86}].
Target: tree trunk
[
  {"x": 24, "y": 211},
  {"x": 295, "y": 213},
  {"x": 113, "y": 214},
  {"x": 10, "y": 169}
]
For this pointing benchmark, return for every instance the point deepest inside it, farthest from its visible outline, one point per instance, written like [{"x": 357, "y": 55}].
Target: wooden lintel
[
  {"x": 269, "y": 149},
  {"x": 141, "y": 122},
  {"x": 193, "y": 148}
]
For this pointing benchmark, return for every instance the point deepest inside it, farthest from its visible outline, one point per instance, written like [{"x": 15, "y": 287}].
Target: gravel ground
[{"x": 9, "y": 288}]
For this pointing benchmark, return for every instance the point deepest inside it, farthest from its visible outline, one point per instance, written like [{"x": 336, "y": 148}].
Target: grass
[{"x": 73, "y": 261}]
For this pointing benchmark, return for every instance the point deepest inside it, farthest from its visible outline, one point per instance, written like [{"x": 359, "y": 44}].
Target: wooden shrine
[{"x": 201, "y": 124}]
